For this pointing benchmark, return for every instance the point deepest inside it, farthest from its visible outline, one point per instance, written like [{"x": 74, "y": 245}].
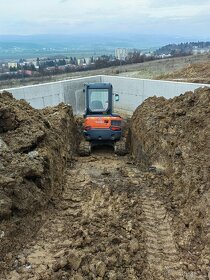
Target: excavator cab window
[{"x": 98, "y": 100}]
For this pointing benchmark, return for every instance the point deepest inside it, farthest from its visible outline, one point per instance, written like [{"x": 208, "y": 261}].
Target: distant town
[{"x": 44, "y": 66}]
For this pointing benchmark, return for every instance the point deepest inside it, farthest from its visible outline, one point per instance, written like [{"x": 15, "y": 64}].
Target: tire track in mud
[
  {"x": 94, "y": 232},
  {"x": 107, "y": 225},
  {"x": 162, "y": 256}
]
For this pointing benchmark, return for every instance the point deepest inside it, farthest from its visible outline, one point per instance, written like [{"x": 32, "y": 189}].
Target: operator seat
[{"x": 97, "y": 105}]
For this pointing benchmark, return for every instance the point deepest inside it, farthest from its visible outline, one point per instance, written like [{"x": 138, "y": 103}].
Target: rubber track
[
  {"x": 84, "y": 148},
  {"x": 120, "y": 147}
]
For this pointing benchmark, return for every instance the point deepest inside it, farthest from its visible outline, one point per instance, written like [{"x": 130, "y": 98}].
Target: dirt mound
[
  {"x": 194, "y": 73},
  {"x": 172, "y": 137},
  {"x": 35, "y": 146}
]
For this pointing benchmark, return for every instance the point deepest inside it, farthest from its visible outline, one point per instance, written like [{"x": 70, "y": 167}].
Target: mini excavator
[{"x": 101, "y": 126}]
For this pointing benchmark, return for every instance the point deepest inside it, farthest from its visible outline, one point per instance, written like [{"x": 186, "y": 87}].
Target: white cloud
[
  {"x": 66, "y": 16},
  {"x": 182, "y": 11}
]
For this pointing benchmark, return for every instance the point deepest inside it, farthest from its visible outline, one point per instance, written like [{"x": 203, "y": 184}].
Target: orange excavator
[{"x": 101, "y": 126}]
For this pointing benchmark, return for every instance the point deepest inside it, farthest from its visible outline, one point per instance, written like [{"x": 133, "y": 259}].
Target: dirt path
[{"x": 108, "y": 225}]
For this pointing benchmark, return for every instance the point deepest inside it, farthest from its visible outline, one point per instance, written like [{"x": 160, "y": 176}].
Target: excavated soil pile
[
  {"x": 193, "y": 73},
  {"x": 114, "y": 220},
  {"x": 172, "y": 138},
  {"x": 35, "y": 146}
]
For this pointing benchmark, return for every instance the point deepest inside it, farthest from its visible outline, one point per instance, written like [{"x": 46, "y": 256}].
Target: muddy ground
[
  {"x": 109, "y": 224},
  {"x": 141, "y": 216},
  {"x": 173, "y": 136},
  {"x": 35, "y": 146}
]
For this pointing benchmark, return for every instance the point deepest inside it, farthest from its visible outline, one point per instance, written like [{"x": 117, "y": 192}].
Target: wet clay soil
[
  {"x": 65, "y": 217},
  {"x": 109, "y": 224}
]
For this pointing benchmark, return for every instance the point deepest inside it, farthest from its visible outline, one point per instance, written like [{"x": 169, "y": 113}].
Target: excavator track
[
  {"x": 120, "y": 147},
  {"x": 84, "y": 148}
]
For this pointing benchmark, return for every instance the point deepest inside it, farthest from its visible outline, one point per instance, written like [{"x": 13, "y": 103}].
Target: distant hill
[
  {"x": 16, "y": 47},
  {"x": 100, "y": 40},
  {"x": 182, "y": 48}
]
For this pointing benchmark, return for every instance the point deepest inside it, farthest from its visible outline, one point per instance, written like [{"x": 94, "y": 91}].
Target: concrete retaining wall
[
  {"x": 50, "y": 94},
  {"x": 132, "y": 92}
]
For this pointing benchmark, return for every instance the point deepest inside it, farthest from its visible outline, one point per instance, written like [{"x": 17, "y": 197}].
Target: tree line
[{"x": 182, "y": 48}]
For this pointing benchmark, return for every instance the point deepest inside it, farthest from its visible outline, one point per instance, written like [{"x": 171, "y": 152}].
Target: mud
[
  {"x": 104, "y": 227},
  {"x": 141, "y": 216},
  {"x": 34, "y": 149},
  {"x": 172, "y": 137}
]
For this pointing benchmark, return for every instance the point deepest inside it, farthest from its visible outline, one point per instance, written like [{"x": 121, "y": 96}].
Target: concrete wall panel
[
  {"x": 51, "y": 94},
  {"x": 129, "y": 90},
  {"x": 132, "y": 92},
  {"x": 73, "y": 92}
]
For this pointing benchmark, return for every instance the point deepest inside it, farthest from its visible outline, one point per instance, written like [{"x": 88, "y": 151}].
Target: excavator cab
[
  {"x": 101, "y": 126},
  {"x": 98, "y": 99}
]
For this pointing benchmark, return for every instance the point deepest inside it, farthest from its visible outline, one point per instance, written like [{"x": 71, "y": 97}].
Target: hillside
[
  {"x": 195, "y": 73},
  {"x": 153, "y": 69},
  {"x": 146, "y": 70}
]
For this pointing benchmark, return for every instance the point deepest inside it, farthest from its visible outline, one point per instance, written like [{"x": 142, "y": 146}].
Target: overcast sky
[{"x": 176, "y": 17}]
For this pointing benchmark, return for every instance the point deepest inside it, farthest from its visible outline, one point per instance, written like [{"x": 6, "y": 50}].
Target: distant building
[
  {"x": 80, "y": 61},
  {"x": 68, "y": 60},
  {"x": 87, "y": 60},
  {"x": 62, "y": 67},
  {"x": 35, "y": 63},
  {"x": 12, "y": 64},
  {"x": 164, "y": 55},
  {"x": 200, "y": 51},
  {"x": 121, "y": 54},
  {"x": 28, "y": 72}
]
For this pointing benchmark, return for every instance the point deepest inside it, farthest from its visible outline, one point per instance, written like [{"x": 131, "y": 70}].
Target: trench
[
  {"x": 108, "y": 224},
  {"x": 107, "y": 216}
]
